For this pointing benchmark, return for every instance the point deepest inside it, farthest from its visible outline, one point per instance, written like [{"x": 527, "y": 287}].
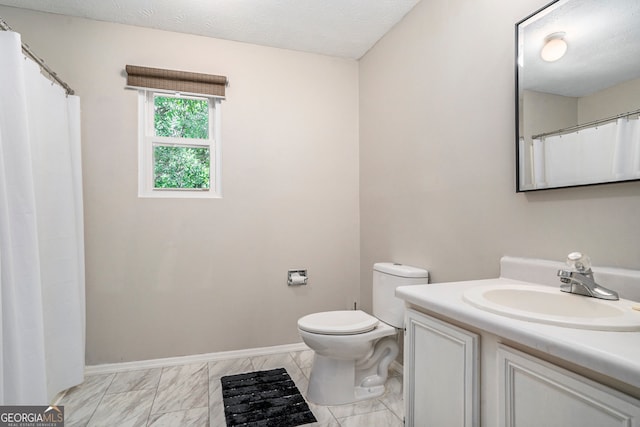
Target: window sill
[{"x": 180, "y": 195}]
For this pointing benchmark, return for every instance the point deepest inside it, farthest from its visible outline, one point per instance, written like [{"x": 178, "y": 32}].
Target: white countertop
[{"x": 614, "y": 354}]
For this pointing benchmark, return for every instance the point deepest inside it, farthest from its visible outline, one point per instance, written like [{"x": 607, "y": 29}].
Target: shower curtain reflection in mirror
[
  {"x": 42, "y": 294},
  {"x": 604, "y": 153}
]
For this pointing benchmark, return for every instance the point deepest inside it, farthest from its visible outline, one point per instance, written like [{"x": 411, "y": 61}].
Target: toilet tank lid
[{"x": 400, "y": 270}]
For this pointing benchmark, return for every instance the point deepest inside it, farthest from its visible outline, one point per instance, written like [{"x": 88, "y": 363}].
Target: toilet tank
[{"x": 387, "y": 277}]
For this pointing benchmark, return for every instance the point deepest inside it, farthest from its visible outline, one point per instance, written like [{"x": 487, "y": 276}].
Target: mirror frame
[
  {"x": 518, "y": 112},
  {"x": 517, "y": 94}
]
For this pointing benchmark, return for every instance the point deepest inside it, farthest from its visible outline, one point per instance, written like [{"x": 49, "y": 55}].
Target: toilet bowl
[{"x": 353, "y": 349}]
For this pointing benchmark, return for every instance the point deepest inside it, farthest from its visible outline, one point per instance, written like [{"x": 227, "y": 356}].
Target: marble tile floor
[{"x": 190, "y": 396}]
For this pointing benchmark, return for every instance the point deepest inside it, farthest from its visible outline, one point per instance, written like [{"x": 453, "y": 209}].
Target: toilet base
[
  {"x": 338, "y": 382},
  {"x": 364, "y": 393},
  {"x": 332, "y": 383}
]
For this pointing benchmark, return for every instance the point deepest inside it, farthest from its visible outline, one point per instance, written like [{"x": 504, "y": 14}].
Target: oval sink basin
[{"x": 545, "y": 304}]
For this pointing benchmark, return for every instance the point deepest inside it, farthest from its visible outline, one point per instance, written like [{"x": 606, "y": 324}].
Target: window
[
  {"x": 179, "y": 131},
  {"x": 179, "y": 147}
]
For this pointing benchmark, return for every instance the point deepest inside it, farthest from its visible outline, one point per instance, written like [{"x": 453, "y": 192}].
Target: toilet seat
[{"x": 341, "y": 322}]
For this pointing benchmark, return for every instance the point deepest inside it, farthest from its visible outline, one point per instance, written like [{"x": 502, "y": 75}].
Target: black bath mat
[{"x": 264, "y": 398}]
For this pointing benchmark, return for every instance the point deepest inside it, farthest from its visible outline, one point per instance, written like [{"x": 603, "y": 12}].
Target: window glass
[
  {"x": 179, "y": 146},
  {"x": 181, "y": 167},
  {"x": 181, "y": 117}
]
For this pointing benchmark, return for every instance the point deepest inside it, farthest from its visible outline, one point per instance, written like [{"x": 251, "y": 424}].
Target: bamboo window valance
[{"x": 176, "y": 81}]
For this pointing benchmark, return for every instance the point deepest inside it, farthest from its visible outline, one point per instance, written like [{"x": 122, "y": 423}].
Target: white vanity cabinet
[
  {"x": 450, "y": 370},
  {"x": 474, "y": 364},
  {"x": 441, "y": 380},
  {"x": 534, "y": 393}
]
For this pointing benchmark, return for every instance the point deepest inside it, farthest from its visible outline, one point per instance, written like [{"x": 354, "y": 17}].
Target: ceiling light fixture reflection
[{"x": 554, "y": 47}]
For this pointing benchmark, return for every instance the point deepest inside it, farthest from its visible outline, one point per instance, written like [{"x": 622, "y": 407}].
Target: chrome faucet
[{"x": 578, "y": 279}]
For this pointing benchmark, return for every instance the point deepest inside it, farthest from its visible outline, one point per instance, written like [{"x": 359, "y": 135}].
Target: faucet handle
[{"x": 579, "y": 262}]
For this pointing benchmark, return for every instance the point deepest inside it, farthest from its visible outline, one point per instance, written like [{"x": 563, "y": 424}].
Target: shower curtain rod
[
  {"x": 585, "y": 125},
  {"x": 27, "y": 50}
]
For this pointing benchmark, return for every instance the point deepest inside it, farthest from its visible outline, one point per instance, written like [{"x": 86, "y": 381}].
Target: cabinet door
[
  {"x": 441, "y": 380},
  {"x": 534, "y": 393}
]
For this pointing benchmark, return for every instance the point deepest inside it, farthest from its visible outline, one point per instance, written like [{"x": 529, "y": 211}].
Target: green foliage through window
[
  {"x": 181, "y": 167},
  {"x": 181, "y": 117}
]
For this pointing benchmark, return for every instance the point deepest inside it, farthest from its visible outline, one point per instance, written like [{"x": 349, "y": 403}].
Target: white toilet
[{"x": 353, "y": 350}]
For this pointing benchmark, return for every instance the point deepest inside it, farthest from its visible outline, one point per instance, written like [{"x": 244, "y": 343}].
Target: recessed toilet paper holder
[{"x": 297, "y": 277}]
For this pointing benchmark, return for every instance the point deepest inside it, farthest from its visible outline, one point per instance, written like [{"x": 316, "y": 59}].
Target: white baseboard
[{"x": 109, "y": 368}]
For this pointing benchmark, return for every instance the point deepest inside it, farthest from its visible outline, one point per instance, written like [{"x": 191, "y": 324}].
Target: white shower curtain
[
  {"x": 608, "y": 152},
  {"x": 580, "y": 157},
  {"x": 42, "y": 297},
  {"x": 626, "y": 158}
]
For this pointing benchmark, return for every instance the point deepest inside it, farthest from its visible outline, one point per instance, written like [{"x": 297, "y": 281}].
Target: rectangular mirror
[{"x": 578, "y": 94}]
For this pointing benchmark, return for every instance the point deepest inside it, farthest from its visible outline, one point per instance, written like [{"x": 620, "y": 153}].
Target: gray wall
[
  {"x": 610, "y": 102},
  {"x": 437, "y": 155},
  {"x": 178, "y": 277},
  {"x": 431, "y": 182}
]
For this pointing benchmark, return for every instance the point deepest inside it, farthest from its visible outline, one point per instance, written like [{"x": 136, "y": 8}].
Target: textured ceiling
[
  {"x": 344, "y": 28},
  {"x": 603, "y": 39}
]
